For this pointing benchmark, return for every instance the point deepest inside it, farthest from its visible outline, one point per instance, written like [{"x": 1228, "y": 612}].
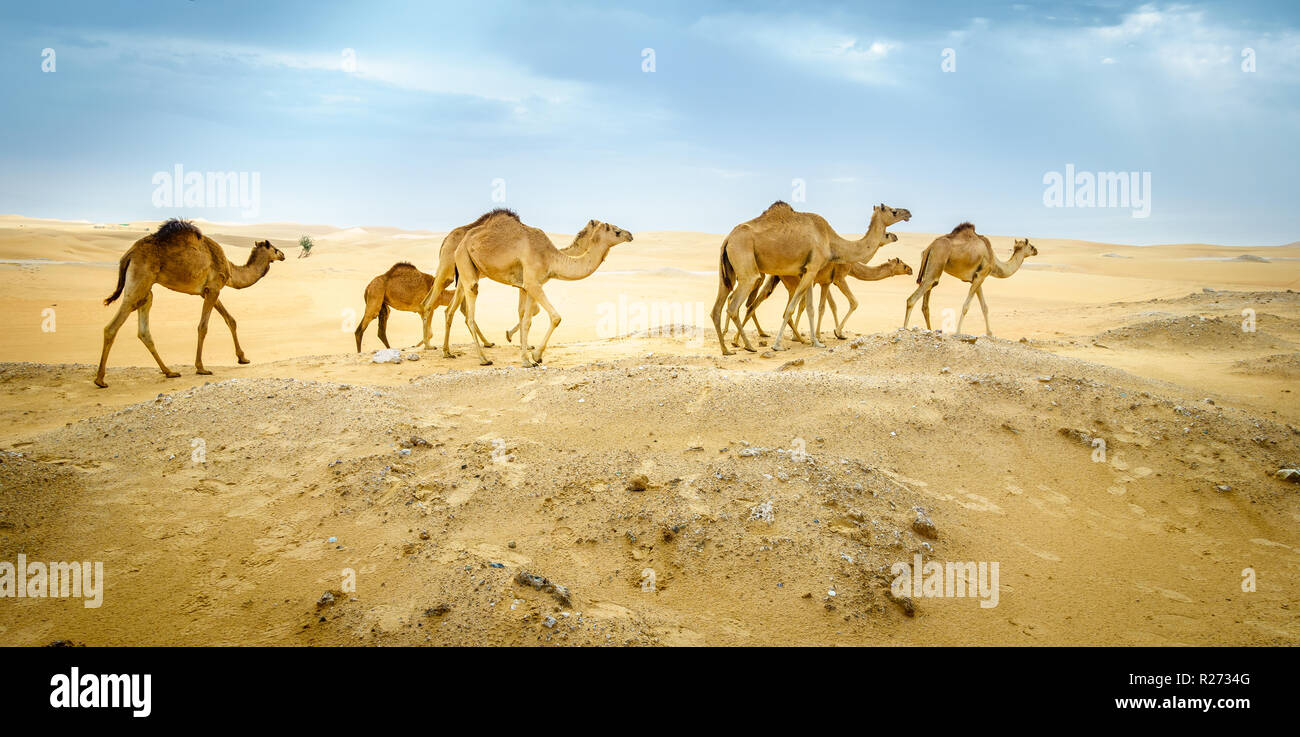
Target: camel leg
[
  {"x": 440, "y": 282},
  {"x": 467, "y": 292},
  {"x": 426, "y": 328},
  {"x": 827, "y": 297},
  {"x": 456, "y": 302},
  {"x": 482, "y": 339},
  {"x": 230, "y": 323},
  {"x": 925, "y": 309},
  {"x": 723, "y": 292},
  {"x": 372, "y": 311},
  {"x": 124, "y": 311},
  {"x": 536, "y": 295},
  {"x": 524, "y": 304},
  {"x": 383, "y": 325},
  {"x": 147, "y": 338},
  {"x": 809, "y": 275},
  {"x": 979, "y": 292},
  {"x": 974, "y": 287},
  {"x": 209, "y": 301},
  {"x": 744, "y": 286},
  {"x": 922, "y": 290},
  {"x": 843, "y": 284},
  {"x": 814, "y": 330}
]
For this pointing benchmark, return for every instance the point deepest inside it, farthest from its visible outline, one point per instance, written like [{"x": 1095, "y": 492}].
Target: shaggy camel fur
[
  {"x": 505, "y": 250},
  {"x": 783, "y": 242},
  {"x": 968, "y": 256},
  {"x": 184, "y": 260}
]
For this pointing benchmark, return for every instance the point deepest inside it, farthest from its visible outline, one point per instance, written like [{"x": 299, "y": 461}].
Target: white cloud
[{"x": 815, "y": 46}]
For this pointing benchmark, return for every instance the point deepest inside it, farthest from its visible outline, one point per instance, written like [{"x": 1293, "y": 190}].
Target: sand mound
[{"x": 768, "y": 510}]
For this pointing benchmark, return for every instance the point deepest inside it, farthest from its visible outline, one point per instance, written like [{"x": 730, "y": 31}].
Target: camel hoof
[
  {"x": 509, "y": 338},
  {"x": 728, "y": 353},
  {"x": 762, "y": 334},
  {"x": 818, "y": 344},
  {"x": 244, "y": 361},
  {"x": 489, "y": 345},
  {"x": 840, "y": 336},
  {"x": 101, "y": 383},
  {"x": 200, "y": 372},
  {"x": 175, "y": 375},
  {"x": 754, "y": 350},
  {"x": 485, "y": 363},
  {"x": 779, "y": 347}
]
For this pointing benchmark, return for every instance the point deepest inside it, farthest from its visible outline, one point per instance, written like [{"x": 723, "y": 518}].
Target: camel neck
[
  {"x": 871, "y": 273},
  {"x": 579, "y": 260},
  {"x": 865, "y": 247},
  {"x": 249, "y": 274},
  {"x": 1003, "y": 269}
]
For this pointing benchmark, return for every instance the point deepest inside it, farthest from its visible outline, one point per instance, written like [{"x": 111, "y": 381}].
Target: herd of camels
[{"x": 797, "y": 249}]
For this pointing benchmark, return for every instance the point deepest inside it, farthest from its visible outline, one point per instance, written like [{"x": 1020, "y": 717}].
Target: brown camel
[
  {"x": 832, "y": 274},
  {"x": 968, "y": 256},
  {"x": 184, "y": 260},
  {"x": 402, "y": 287},
  {"x": 783, "y": 242},
  {"x": 447, "y": 271},
  {"x": 505, "y": 250}
]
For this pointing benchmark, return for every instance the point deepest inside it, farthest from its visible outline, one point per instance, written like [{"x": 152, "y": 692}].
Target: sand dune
[{"x": 769, "y": 493}]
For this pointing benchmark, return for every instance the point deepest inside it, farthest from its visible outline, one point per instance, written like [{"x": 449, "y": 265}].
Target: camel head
[
  {"x": 1023, "y": 244},
  {"x": 273, "y": 253},
  {"x": 897, "y": 267},
  {"x": 891, "y": 238},
  {"x": 604, "y": 234},
  {"x": 891, "y": 214}
]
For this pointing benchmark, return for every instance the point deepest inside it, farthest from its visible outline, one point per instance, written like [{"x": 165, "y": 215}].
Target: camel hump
[
  {"x": 176, "y": 228},
  {"x": 963, "y": 227},
  {"x": 400, "y": 266},
  {"x": 778, "y": 206},
  {"x": 505, "y": 211}
]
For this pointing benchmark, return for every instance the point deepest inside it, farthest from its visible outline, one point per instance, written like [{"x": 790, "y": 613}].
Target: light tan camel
[
  {"x": 783, "y": 242},
  {"x": 832, "y": 274},
  {"x": 447, "y": 271},
  {"x": 968, "y": 256},
  {"x": 184, "y": 260},
  {"x": 505, "y": 250},
  {"x": 402, "y": 287}
]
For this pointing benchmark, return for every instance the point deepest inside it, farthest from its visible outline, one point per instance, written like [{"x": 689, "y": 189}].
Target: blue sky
[{"x": 850, "y": 98}]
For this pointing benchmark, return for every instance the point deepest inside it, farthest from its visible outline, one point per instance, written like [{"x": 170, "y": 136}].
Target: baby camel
[
  {"x": 184, "y": 260},
  {"x": 402, "y": 287},
  {"x": 968, "y": 256}
]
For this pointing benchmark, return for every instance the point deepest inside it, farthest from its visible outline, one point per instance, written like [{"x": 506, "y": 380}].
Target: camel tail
[
  {"x": 920, "y": 272},
  {"x": 121, "y": 279},
  {"x": 725, "y": 271}
]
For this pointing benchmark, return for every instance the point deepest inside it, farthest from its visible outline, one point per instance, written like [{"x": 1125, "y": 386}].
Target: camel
[
  {"x": 832, "y": 274},
  {"x": 402, "y": 287},
  {"x": 968, "y": 256},
  {"x": 184, "y": 260},
  {"x": 447, "y": 271},
  {"x": 783, "y": 242},
  {"x": 505, "y": 250}
]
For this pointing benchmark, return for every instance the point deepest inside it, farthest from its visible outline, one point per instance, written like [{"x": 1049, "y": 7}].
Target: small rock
[
  {"x": 1289, "y": 474},
  {"x": 638, "y": 482},
  {"x": 924, "y": 527},
  {"x": 1223, "y": 487},
  {"x": 413, "y": 356},
  {"x": 387, "y": 355},
  {"x": 791, "y": 364}
]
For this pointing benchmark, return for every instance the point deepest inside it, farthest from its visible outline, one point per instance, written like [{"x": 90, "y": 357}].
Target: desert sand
[{"x": 769, "y": 493}]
